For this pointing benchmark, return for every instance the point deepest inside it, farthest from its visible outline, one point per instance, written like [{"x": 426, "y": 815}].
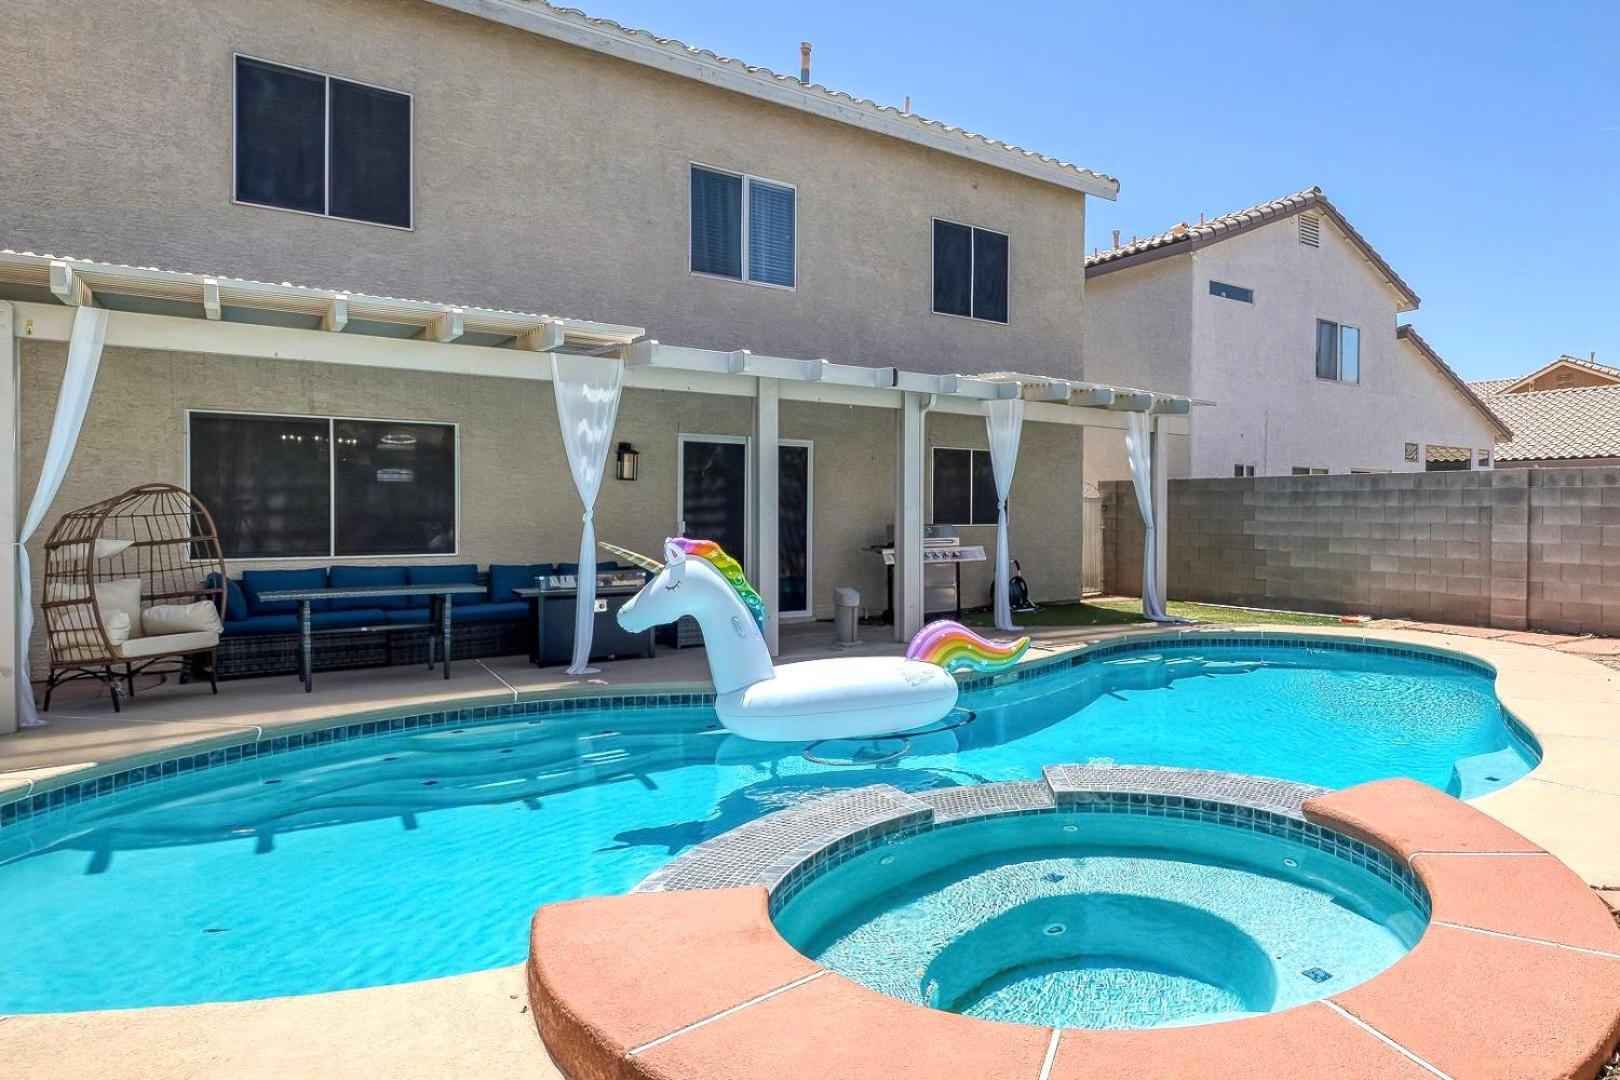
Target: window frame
[
  {"x": 1338, "y": 354},
  {"x": 331, "y": 480},
  {"x": 747, "y": 203},
  {"x": 933, "y": 479},
  {"x": 972, "y": 268},
  {"x": 326, "y": 148},
  {"x": 1242, "y": 470}
]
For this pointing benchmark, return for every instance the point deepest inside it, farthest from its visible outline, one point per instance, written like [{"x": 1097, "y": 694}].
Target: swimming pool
[
  {"x": 1079, "y": 919},
  {"x": 374, "y": 856}
]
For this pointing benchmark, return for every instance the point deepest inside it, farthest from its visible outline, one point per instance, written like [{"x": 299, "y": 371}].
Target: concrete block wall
[{"x": 1513, "y": 548}]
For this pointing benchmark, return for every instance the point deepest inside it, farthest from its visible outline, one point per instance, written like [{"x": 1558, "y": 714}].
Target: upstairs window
[
  {"x": 964, "y": 487},
  {"x": 743, "y": 228},
  {"x": 970, "y": 272},
  {"x": 321, "y": 145},
  {"x": 1231, "y": 292},
  {"x": 1243, "y": 470},
  {"x": 1338, "y": 352}
]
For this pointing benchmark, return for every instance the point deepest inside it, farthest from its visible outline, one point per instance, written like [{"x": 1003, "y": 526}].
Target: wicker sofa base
[{"x": 244, "y": 655}]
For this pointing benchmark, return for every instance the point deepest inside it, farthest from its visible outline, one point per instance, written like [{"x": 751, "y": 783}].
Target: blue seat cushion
[
  {"x": 507, "y": 611},
  {"x": 348, "y": 619},
  {"x": 236, "y": 605},
  {"x": 573, "y": 567},
  {"x": 453, "y": 574},
  {"x": 255, "y": 582},
  {"x": 506, "y": 577},
  {"x": 263, "y": 624},
  {"x": 343, "y": 577}
]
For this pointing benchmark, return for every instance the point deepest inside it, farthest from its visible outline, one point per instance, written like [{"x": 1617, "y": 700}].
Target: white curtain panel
[
  {"x": 587, "y": 390},
  {"x": 1004, "y": 421},
  {"x": 84, "y": 359},
  {"x": 1139, "y": 451}
]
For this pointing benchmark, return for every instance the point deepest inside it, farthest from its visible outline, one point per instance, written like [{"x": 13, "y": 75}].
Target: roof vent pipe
[
  {"x": 907, "y": 109},
  {"x": 804, "y": 62},
  {"x": 1116, "y": 239}
]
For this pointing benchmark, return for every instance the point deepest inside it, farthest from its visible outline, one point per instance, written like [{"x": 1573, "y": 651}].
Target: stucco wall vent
[{"x": 1310, "y": 230}]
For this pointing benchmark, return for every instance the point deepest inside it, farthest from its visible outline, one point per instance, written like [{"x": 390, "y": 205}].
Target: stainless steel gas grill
[{"x": 943, "y": 555}]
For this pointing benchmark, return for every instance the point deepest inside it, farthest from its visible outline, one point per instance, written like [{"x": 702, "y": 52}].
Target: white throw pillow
[
  {"x": 122, "y": 595},
  {"x": 117, "y": 626},
  {"x": 180, "y": 618}
]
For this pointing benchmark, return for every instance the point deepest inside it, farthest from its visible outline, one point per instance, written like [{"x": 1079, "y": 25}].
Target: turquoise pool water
[
  {"x": 1101, "y": 920},
  {"x": 419, "y": 854}
]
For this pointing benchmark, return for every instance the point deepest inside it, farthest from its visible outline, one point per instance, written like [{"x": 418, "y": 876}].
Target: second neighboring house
[
  {"x": 1566, "y": 413},
  {"x": 1284, "y": 318}
]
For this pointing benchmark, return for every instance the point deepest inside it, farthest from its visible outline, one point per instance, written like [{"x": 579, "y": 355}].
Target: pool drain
[
  {"x": 1055, "y": 929},
  {"x": 1317, "y": 975}
]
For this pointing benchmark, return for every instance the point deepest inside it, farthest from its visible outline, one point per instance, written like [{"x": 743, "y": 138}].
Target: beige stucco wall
[
  {"x": 1257, "y": 362},
  {"x": 1139, "y": 333},
  {"x": 517, "y": 501},
  {"x": 547, "y": 179}
]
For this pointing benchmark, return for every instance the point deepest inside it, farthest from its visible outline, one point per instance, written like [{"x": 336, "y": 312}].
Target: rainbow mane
[
  {"x": 711, "y": 553},
  {"x": 954, "y": 647}
]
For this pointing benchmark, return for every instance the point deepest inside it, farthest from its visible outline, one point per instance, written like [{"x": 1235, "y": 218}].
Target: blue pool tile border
[{"x": 33, "y": 806}]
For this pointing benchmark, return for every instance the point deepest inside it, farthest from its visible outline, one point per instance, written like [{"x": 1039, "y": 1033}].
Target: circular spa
[{"x": 1083, "y": 917}]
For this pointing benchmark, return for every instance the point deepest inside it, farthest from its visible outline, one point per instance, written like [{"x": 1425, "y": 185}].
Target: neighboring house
[
  {"x": 1284, "y": 318},
  {"x": 1566, "y": 413},
  {"x": 498, "y": 156}
]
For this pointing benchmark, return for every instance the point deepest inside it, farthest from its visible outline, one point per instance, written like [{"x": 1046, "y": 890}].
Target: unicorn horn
[{"x": 632, "y": 558}]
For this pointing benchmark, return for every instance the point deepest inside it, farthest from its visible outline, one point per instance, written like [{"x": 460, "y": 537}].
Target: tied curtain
[
  {"x": 1004, "y": 422},
  {"x": 84, "y": 359},
  {"x": 587, "y": 390},
  {"x": 1139, "y": 451}
]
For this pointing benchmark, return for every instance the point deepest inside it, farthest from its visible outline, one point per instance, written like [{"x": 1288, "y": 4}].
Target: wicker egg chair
[{"x": 97, "y": 622}]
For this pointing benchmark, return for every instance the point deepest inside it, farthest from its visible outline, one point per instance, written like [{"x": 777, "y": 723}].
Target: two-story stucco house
[
  {"x": 1284, "y": 318},
  {"x": 793, "y": 278}
]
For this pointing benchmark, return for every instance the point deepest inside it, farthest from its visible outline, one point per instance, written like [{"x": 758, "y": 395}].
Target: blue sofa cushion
[
  {"x": 236, "y": 605},
  {"x": 349, "y": 618},
  {"x": 255, "y": 582},
  {"x": 508, "y": 611},
  {"x": 342, "y": 577},
  {"x": 505, "y": 577},
  {"x": 573, "y": 567},
  {"x": 454, "y": 574},
  {"x": 263, "y": 624}
]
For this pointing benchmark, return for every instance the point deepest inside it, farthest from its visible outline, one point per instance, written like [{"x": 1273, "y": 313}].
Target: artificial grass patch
[{"x": 1123, "y": 610}]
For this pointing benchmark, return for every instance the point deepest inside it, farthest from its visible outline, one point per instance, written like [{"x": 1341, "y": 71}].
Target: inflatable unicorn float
[{"x": 840, "y": 698}]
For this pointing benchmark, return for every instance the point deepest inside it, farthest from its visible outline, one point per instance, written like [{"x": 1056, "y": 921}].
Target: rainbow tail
[{"x": 954, "y": 647}]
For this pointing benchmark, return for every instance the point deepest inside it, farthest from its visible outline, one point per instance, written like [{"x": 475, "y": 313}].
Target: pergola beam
[
  {"x": 448, "y": 326},
  {"x": 547, "y": 337},
  {"x": 336, "y": 315},
  {"x": 68, "y": 287},
  {"x": 210, "y": 297}
]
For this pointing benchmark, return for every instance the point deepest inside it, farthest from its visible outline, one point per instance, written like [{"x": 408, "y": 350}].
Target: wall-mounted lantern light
[{"x": 625, "y": 468}]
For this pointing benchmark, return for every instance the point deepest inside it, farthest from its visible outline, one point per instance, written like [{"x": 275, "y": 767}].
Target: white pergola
[{"x": 167, "y": 310}]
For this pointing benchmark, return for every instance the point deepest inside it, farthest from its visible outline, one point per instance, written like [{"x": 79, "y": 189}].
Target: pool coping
[
  {"x": 697, "y": 982},
  {"x": 1579, "y": 763}
]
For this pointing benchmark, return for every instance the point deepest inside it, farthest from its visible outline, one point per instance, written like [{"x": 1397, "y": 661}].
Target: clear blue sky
[{"x": 1476, "y": 145}]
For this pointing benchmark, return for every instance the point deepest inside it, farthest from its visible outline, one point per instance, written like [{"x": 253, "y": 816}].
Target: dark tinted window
[
  {"x": 370, "y": 146},
  {"x": 1231, "y": 292},
  {"x": 326, "y": 146},
  {"x": 989, "y": 275},
  {"x": 716, "y": 223},
  {"x": 953, "y": 268},
  {"x": 396, "y": 488},
  {"x": 266, "y": 479},
  {"x": 964, "y": 487},
  {"x": 1327, "y": 350},
  {"x": 280, "y": 136},
  {"x": 793, "y": 528}
]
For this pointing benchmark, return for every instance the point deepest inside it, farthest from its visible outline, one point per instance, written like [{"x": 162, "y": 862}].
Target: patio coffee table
[{"x": 440, "y": 601}]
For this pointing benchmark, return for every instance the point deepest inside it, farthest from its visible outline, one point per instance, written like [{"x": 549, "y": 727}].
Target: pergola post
[
  {"x": 1161, "y": 505},
  {"x": 10, "y": 448},
  {"x": 908, "y": 515},
  {"x": 767, "y": 505}
]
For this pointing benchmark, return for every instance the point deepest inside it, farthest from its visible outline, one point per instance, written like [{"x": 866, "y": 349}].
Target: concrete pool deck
[{"x": 473, "y": 1024}]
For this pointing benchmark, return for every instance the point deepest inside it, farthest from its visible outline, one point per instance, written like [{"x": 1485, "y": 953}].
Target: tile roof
[
  {"x": 574, "y": 27},
  {"x": 1572, "y": 361},
  {"x": 1186, "y": 238},
  {"x": 1407, "y": 333},
  {"x": 1575, "y": 422}
]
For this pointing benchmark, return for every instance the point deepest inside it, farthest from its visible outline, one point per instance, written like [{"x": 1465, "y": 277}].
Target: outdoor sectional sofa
[{"x": 261, "y": 637}]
